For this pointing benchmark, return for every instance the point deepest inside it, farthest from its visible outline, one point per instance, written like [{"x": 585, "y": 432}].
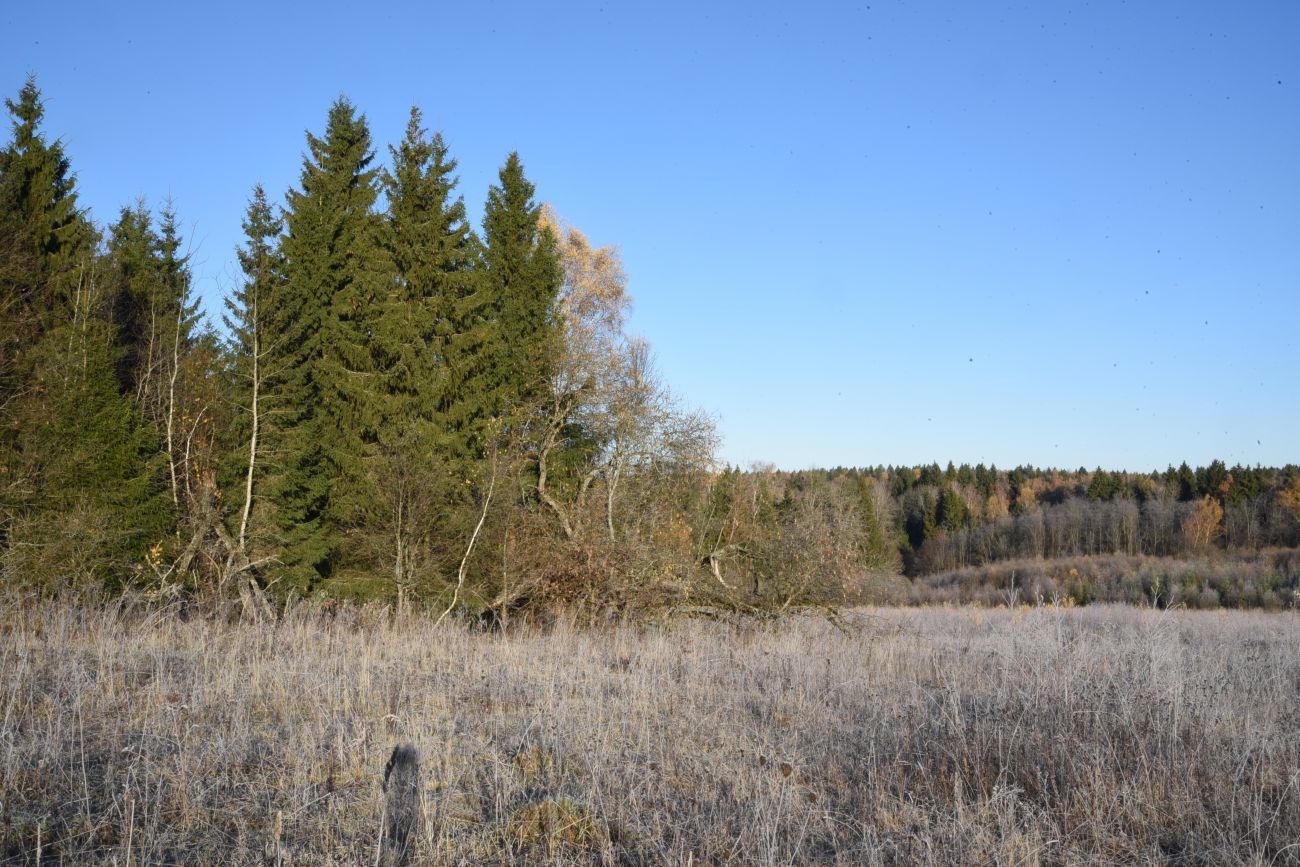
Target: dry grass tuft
[
  {"x": 533, "y": 764},
  {"x": 556, "y": 825},
  {"x": 1100, "y": 735}
]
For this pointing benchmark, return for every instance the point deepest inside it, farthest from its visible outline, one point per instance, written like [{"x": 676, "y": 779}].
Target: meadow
[{"x": 1033, "y": 735}]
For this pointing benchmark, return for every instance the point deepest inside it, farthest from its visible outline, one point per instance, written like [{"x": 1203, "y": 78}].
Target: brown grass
[
  {"x": 1267, "y": 578},
  {"x": 943, "y": 736}
]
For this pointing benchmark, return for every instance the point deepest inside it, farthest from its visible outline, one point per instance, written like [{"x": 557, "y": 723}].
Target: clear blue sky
[{"x": 1059, "y": 233}]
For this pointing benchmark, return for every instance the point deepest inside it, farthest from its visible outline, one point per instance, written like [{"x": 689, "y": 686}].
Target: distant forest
[
  {"x": 402, "y": 407},
  {"x": 968, "y": 516},
  {"x": 1204, "y": 537}
]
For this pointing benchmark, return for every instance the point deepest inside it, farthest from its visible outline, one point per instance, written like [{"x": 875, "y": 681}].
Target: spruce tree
[
  {"x": 136, "y": 294},
  {"x": 1186, "y": 481},
  {"x": 156, "y": 317},
  {"x": 250, "y": 347},
  {"x": 79, "y": 489},
  {"x": 45, "y": 238},
  {"x": 879, "y": 554},
  {"x": 324, "y": 369},
  {"x": 47, "y": 246},
  {"x": 179, "y": 319},
  {"x": 950, "y": 510},
  {"x": 99, "y": 510},
  {"x": 432, "y": 256},
  {"x": 521, "y": 281}
]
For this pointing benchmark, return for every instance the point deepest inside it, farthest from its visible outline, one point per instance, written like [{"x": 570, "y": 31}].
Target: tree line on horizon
[
  {"x": 938, "y": 519},
  {"x": 401, "y": 406},
  {"x": 929, "y": 524}
]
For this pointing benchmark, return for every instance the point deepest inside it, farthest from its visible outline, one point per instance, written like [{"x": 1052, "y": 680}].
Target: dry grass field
[{"x": 922, "y": 736}]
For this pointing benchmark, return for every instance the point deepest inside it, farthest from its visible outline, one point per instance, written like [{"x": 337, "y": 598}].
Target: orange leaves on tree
[{"x": 1204, "y": 524}]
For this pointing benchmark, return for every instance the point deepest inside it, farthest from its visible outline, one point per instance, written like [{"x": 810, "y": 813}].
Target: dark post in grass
[{"x": 401, "y": 815}]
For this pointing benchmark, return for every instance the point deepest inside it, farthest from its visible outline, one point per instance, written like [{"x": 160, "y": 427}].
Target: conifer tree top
[
  {"x": 38, "y": 173},
  {"x": 28, "y": 113}
]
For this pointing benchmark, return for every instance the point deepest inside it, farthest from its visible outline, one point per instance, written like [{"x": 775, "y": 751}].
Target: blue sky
[{"x": 1057, "y": 233}]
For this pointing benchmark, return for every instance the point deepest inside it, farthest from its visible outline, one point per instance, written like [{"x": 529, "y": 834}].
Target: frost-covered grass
[{"x": 949, "y": 736}]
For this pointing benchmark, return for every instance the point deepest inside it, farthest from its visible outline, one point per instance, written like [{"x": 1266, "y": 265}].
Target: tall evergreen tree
[
  {"x": 325, "y": 372},
  {"x": 1186, "y": 481},
  {"x": 47, "y": 247},
  {"x": 950, "y": 510},
  {"x": 432, "y": 256},
  {"x": 251, "y": 345},
  {"x": 45, "y": 239},
  {"x": 77, "y": 486},
  {"x": 136, "y": 294},
  {"x": 179, "y": 318},
  {"x": 156, "y": 317},
  {"x": 522, "y": 277},
  {"x": 879, "y": 553}
]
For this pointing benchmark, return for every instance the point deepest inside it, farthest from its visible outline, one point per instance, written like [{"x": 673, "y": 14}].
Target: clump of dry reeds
[{"x": 944, "y": 736}]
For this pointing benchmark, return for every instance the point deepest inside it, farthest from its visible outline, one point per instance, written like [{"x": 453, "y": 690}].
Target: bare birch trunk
[
  {"x": 171, "y": 411},
  {"x": 469, "y": 549},
  {"x": 252, "y": 439}
]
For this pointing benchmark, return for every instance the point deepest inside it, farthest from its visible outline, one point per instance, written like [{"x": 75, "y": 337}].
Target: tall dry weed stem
[{"x": 1101, "y": 735}]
